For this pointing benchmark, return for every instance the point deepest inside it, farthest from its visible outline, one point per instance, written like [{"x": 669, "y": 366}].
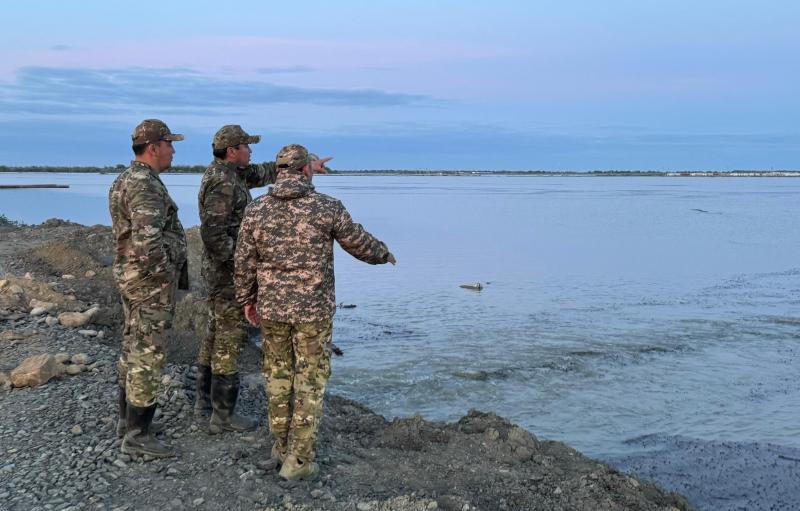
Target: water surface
[{"x": 613, "y": 307}]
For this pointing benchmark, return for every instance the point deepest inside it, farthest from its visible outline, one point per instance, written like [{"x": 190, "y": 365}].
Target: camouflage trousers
[
  {"x": 148, "y": 318},
  {"x": 297, "y": 365},
  {"x": 226, "y": 335}
]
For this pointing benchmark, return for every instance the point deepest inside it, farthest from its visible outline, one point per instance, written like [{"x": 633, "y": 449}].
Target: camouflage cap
[
  {"x": 292, "y": 157},
  {"x": 233, "y": 135},
  {"x": 153, "y": 130}
]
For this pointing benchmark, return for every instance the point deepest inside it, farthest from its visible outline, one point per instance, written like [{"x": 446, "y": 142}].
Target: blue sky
[{"x": 576, "y": 85}]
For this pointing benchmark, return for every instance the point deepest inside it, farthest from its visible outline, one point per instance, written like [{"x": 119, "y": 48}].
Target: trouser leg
[
  {"x": 278, "y": 371},
  {"x": 122, "y": 362},
  {"x": 202, "y": 402},
  {"x": 229, "y": 336},
  {"x": 149, "y": 326},
  {"x": 207, "y": 344},
  {"x": 312, "y": 359}
]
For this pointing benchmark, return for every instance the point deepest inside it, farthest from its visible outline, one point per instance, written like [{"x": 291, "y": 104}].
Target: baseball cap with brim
[
  {"x": 153, "y": 130},
  {"x": 292, "y": 157},
  {"x": 233, "y": 135}
]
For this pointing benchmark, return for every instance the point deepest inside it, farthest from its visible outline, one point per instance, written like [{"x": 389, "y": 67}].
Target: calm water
[{"x": 615, "y": 307}]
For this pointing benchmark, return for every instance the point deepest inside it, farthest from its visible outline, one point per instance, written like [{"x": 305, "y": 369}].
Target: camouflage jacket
[
  {"x": 224, "y": 194},
  {"x": 284, "y": 258},
  {"x": 149, "y": 239}
]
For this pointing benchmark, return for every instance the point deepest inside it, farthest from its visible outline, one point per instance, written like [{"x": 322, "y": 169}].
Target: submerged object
[{"x": 474, "y": 286}]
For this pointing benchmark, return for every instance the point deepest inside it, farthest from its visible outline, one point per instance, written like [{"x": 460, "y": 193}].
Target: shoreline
[
  {"x": 59, "y": 448},
  {"x": 481, "y": 460}
]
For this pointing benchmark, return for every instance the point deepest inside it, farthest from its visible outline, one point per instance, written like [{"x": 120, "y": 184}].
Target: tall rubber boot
[
  {"x": 138, "y": 440},
  {"x": 123, "y": 407},
  {"x": 122, "y": 427},
  {"x": 202, "y": 400},
  {"x": 224, "y": 393}
]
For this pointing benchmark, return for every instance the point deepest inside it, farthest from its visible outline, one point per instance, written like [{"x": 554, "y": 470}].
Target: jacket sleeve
[
  {"x": 245, "y": 274},
  {"x": 148, "y": 213},
  {"x": 215, "y": 225},
  {"x": 355, "y": 240},
  {"x": 260, "y": 174}
]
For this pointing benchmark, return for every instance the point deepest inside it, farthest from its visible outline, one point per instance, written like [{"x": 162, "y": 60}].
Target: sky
[{"x": 501, "y": 85}]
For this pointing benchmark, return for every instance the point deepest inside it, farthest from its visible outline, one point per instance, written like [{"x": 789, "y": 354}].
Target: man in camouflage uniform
[
  {"x": 224, "y": 193},
  {"x": 284, "y": 279},
  {"x": 150, "y": 265}
]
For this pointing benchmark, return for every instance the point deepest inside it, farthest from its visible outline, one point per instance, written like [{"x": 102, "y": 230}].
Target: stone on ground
[{"x": 36, "y": 370}]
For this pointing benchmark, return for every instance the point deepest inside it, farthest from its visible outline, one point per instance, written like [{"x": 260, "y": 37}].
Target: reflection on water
[{"x": 615, "y": 307}]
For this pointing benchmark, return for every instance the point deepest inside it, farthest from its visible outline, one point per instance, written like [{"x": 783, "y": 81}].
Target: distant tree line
[
  {"x": 186, "y": 169},
  {"x": 199, "y": 169}
]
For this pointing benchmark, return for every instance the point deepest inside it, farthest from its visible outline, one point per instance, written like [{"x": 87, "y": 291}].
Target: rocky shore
[{"x": 59, "y": 450}]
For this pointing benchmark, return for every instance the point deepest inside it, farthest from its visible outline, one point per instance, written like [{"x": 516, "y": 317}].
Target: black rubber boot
[
  {"x": 202, "y": 400},
  {"x": 138, "y": 440},
  {"x": 224, "y": 393},
  {"x": 155, "y": 427},
  {"x": 123, "y": 406}
]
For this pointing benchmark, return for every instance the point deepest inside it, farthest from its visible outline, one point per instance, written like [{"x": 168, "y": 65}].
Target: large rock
[
  {"x": 21, "y": 294},
  {"x": 77, "y": 319},
  {"x": 36, "y": 370}
]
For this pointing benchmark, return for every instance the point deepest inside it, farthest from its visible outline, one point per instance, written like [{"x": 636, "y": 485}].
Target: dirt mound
[
  {"x": 61, "y": 258},
  {"x": 58, "y": 222},
  {"x": 482, "y": 460}
]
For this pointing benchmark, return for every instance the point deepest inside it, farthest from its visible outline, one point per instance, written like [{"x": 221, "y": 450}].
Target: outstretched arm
[
  {"x": 260, "y": 174},
  {"x": 359, "y": 243}
]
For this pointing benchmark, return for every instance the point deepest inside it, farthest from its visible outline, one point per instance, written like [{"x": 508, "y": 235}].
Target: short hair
[
  {"x": 220, "y": 153},
  {"x": 138, "y": 149}
]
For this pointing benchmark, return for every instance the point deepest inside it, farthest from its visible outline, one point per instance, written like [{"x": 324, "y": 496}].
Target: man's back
[{"x": 285, "y": 250}]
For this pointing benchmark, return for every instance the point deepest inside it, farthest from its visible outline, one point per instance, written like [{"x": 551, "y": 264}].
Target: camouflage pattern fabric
[
  {"x": 153, "y": 130},
  {"x": 224, "y": 194},
  {"x": 226, "y": 336},
  {"x": 297, "y": 365},
  {"x": 284, "y": 254},
  {"x": 233, "y": 135},
  {"x": 142, "y": 359},
  {"x": 284, "y": 264},
  {"x": 150, "y": 262}
]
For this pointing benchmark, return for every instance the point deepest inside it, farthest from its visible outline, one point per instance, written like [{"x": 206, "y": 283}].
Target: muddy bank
[
  {"x": 719, "y": 475},
  {"x": 59, "y": 450}
]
